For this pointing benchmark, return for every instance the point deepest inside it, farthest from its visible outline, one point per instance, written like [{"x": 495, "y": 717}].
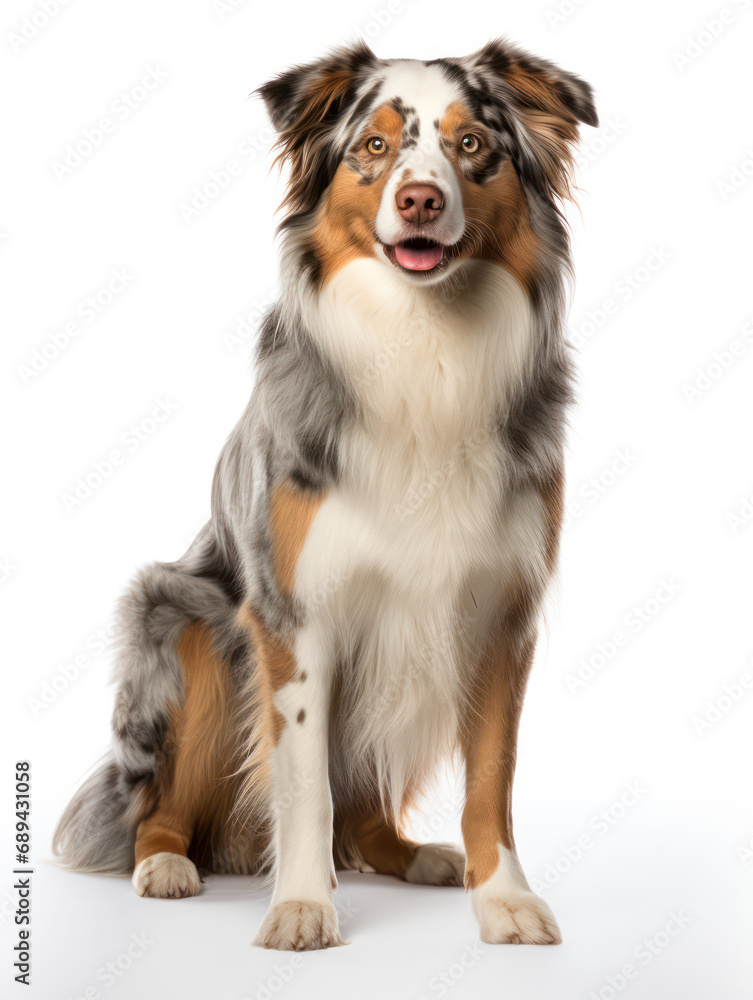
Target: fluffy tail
[{"x": 97, "y": 830}]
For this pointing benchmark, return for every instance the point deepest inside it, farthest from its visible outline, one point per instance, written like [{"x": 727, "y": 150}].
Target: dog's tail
[{"x": 98, "y": 829}]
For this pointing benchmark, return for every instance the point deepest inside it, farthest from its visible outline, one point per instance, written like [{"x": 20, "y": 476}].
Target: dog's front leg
[
  {"x": 506, "y": 908},
  {"x": 298, "y": 684}
]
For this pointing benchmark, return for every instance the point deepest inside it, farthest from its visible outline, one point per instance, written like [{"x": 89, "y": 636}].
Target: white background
[{"x": 651, "y": 188}]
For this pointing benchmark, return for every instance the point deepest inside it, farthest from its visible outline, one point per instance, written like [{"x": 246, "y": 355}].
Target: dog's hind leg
[
  {"x": 199, "y": 748},
  {"x": 369, "y": 842},
  {"x": 183, "y": 666}
]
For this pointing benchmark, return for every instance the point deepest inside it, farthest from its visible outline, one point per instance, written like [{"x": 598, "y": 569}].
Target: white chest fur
[{"x": 406, "y": 558}]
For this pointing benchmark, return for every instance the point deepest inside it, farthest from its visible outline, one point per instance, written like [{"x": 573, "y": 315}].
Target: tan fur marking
[
  {"x": 345, "y": 227},
  {"x": 457, "y": 118},
  {"x": 498, "y": 226},
  {"x": 194, "y": 797},
  {"x": 277, "y": 667},
  {"x": 376, "y": 841},
  {"x": 387, "y": 124},
  {"x": 292, "y": 512},
  {"x": 490, "y": 731},
  {"x": 383, "y": 848},
  {"x": 273, "y": 653},
  {"x": 154, "y": 837},
  {"x": 498, "y": 223},
  {"x": 345, "y": 230},
  {"x": 489, "y": 745}
]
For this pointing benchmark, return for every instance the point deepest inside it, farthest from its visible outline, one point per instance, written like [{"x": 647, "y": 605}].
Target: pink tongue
[{"x": 416, "y": 259}]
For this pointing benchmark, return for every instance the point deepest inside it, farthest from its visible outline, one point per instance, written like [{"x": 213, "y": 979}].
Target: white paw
[
  {"x": 437, "y": 864},
  {"x": 300, "y": 926},
  {"x": 166, "y": 876},
  {"x": 520, "y": 918}
]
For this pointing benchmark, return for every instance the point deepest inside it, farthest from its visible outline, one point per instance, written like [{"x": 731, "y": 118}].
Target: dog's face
[{"x": 422, "y": 165}]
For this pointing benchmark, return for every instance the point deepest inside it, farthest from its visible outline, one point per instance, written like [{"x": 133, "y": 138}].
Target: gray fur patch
[{"x": 291, "y": 431}]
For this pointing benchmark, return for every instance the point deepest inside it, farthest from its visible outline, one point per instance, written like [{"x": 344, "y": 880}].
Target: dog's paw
[
  {"x": 437, "y": 864},
  {"x": 300, "y": 926},
  {"x": 166, "y": 876},
  {"x": 519, "y": 918}
]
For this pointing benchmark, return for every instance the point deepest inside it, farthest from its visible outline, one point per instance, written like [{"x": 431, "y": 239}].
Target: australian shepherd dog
[{"x": 385, "y": 517}]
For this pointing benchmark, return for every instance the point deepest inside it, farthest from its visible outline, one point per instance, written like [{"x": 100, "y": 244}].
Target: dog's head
[{"x": 424, "y": 164}]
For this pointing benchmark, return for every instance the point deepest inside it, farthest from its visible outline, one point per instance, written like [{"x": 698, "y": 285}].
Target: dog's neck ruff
[{"x": 459, "y": 348}]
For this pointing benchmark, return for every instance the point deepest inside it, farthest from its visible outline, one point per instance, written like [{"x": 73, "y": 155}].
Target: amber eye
[
  {"x": 470, "y": 143},
  {"x": 376, "y": 146}
]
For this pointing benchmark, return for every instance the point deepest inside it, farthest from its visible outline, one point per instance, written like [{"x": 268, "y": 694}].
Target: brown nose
[{"x": 419, "y": 203}]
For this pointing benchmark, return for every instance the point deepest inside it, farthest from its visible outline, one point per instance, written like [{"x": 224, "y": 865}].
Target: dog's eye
[
  {"x": 470, "y": 143},
  {"x": 376, "y": 146}
]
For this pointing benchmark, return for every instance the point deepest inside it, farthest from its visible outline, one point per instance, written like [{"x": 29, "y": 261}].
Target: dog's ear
[
  {"x": 547, "y": 102},
  {"x": 306, "y": 105}
]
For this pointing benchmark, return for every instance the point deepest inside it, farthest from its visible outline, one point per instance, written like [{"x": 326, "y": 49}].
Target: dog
[{"x": 363, "y": 603}]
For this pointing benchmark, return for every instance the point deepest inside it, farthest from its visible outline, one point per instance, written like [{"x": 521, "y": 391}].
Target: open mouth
[{"x": 418, "y": 254}]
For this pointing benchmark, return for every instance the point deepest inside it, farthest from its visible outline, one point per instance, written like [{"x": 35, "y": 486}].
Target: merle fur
[{"x": 291, "y": 427}]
